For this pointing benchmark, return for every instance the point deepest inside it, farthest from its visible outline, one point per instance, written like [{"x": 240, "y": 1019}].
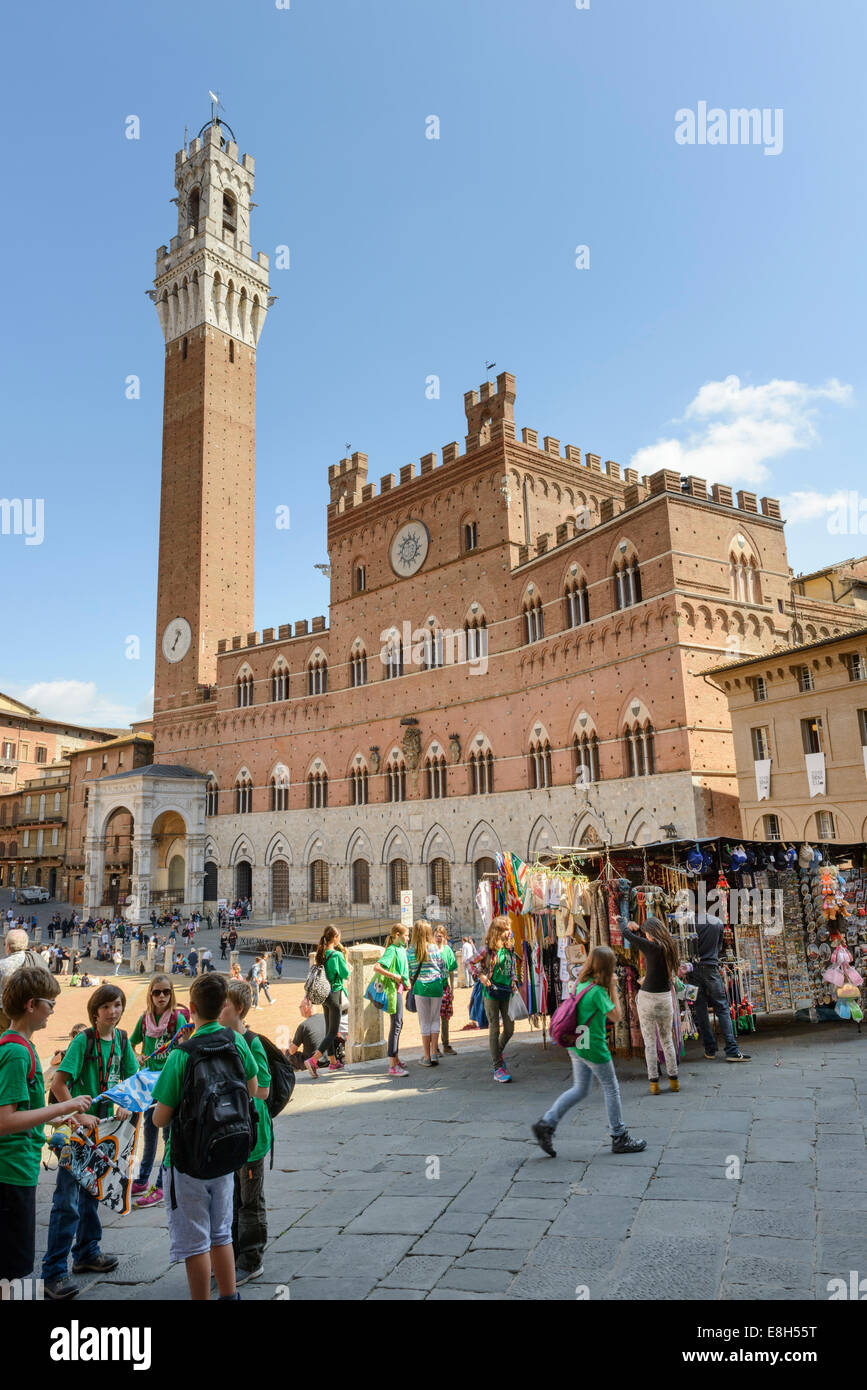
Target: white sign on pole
[{"x": 406, "y": 918}]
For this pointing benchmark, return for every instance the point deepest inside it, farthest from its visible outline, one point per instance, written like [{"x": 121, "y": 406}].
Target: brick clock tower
[{"x": 211, "y": 295}]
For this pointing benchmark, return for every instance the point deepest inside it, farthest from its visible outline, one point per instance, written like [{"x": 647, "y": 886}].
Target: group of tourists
[
  {"x": 217, "y": 1085},
  {"x": 218, "y": 1223}
]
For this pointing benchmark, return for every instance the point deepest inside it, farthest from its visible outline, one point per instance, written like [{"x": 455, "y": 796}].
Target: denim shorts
[{"x": 203, "y": 1216}]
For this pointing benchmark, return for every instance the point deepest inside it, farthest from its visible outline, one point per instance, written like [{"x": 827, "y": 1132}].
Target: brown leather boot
[
  {"x": 673, "y": 1083},
  {"x": 654, "y": 1088}
]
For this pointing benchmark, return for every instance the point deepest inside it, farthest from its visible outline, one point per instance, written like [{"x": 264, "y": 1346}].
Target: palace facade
[{"x": 512, "y": 653}]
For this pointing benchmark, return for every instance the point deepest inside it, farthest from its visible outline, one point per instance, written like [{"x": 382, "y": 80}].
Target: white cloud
[
  {"x": 808, "y": 506},
  {"x": 738, "y": 429},
  {"x": 77, "y": 701}
]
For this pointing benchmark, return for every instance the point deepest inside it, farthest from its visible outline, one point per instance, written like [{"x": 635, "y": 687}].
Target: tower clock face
[
  {"x": 409, "y": 548},
  {"x": 176, "y": 639}
]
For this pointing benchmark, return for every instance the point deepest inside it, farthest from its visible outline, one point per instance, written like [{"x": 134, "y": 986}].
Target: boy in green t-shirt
[
  {"x": 95, "y": 1060},
  {"x": 249, "y": 1216},
  {"x": 200, "y": 1216},
  {"x": 28, "y": 1001}
]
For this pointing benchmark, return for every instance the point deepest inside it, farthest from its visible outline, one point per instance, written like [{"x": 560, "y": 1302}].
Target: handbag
[
  {"x": 376, "y": 994},
  {"x": 317, "y": 986},
  {"x": 517, "y": 1008},
  {"x": 477, "y": 1006},
  {"x": 410, "y": 997}
]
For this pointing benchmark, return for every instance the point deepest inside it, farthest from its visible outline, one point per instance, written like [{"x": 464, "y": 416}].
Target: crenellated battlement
[
  {"x": 654, "y": 485},
  {"x": 286, "y": 632},
  {"x": 490, "y": 417}
]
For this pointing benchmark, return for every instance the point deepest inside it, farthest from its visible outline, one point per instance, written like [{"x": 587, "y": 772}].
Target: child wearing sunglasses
[{"x": 158, "y": 1026}]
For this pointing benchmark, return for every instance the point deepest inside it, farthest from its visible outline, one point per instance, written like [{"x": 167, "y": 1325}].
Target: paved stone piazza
[{"x": 433, "y": 1188}]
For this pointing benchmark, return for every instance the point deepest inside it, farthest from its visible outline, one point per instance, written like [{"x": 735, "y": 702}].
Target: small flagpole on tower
[
  {"x": 489, "y": 367},
  {"x": 216, "y": 104}
]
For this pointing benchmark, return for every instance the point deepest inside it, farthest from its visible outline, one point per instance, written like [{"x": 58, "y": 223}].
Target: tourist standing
[
  {"x": 427, "y": 973},
  {"x": 441, "y": 941},
  {"x": 331, "y": 955},
  {"x": 224, "y": 941},
  {"x": 259, "y": 980},
  {"x": 496, "y": 969},
  {"x": 711, "y": 990},
  {"x": 653, "y": 1001},
  {"x": 468, "y": 951},
  {"x": 160, "y": 1022},
  {"x": 393, "y": 971},
  {"x": 590, "y": 1057}
]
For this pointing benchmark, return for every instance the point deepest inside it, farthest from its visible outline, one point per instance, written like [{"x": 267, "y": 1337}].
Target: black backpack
[
  {"x": 214, "y": 1128},
  {"x": 282, "y": 1074}
]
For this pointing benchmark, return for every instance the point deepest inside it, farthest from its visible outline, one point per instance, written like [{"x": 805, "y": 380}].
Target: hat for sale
[
  {"x": 805, "y": 856},
  {"x": 738, "y": 858}
]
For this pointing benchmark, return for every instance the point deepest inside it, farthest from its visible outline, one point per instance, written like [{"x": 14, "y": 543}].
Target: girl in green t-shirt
[
  {"x": 393, "y": 970},
  {"x": 331, "y": 955},
  {"x": 447, "y": 1008},
  {"x": 158, "y": 1025},
  {"x": 590, "y": 1056},
  {"x": 496, "y": 969}
]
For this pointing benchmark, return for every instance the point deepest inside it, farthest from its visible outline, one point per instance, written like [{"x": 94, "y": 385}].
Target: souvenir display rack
[{"x": 774, "y": 963}]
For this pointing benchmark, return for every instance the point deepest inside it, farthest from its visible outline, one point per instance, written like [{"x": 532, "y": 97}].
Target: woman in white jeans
[
  {"x": 427, "y": 976},
  {"x": 653, "y": 1001}
]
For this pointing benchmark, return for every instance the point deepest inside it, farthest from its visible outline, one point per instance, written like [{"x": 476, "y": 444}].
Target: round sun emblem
[{"x": 409, "y": 548}]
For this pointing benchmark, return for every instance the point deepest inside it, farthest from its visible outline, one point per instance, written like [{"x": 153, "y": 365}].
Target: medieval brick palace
[{"x": 510, "y": 659}]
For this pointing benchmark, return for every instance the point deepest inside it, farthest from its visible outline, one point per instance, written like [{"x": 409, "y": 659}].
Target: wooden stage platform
[{"x": 300, "y": 938}]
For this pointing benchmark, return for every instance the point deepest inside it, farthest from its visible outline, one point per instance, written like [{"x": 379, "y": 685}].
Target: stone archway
[{"x": 164, "y": 808}]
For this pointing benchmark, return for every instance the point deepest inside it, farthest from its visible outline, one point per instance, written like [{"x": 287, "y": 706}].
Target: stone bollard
[
  {"x": 234, "y": 959},
  {"x": 133, "y": 956},
  {"x": 366, "y": 1041},
  {"x": 151, "y": 956},
  {"x": 76, "y": 940},
  {"x": 269, "y": 965},
  {"x": 167, "y": 959}
]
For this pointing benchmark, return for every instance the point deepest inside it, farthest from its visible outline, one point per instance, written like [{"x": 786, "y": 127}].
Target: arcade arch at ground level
[
  {"x": 162, "y": 863},
  {"x": 401, "y": 845}
]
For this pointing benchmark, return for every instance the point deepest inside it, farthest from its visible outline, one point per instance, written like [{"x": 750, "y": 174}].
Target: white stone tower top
[{"x": 207, "y": 274}]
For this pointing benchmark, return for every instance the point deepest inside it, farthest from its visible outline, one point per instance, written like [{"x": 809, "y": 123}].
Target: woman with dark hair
[
  {"x": 332, "y": 956},
  {"x": 590, "y": 1056},
  {"x": 654, "y": 1002}
]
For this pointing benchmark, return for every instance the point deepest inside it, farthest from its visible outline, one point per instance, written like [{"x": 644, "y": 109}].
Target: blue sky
[{"x": 718, "y": 329}]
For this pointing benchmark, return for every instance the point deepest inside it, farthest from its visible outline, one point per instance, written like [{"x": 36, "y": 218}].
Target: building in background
[
  {"x": 512, "y": 658},
  {"x": 130, "y": 751},
  {"x": 799, "y": 725},
  {"x": 30, "y": 742},
  {"x": 33, "y": 831}
]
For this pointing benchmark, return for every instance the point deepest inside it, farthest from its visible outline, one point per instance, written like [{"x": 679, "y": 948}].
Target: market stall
[{"x": 795, "y": 921}]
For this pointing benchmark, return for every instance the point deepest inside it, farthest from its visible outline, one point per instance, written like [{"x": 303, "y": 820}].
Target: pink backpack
[{"x": 564, "y": 1023}]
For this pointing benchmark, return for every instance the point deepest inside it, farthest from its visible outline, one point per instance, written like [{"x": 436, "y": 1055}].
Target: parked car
[{"x": 34, "y": 895}]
